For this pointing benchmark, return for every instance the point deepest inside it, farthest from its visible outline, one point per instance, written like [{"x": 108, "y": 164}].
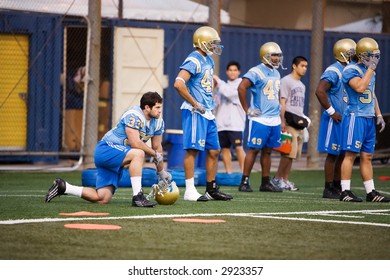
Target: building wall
[
  {"x": 241, "y": 43},
  {"x": 292, "y": 14}
]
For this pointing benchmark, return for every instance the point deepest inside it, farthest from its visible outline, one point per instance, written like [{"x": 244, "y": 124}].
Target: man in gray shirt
[{"x": 292, "y": 100}]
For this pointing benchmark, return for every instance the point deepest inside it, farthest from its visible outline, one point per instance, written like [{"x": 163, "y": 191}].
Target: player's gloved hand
[
  {"x": 165, "y": 176},
  {"x": 158, "y": 158},
  {"x": 200, "y": 108},
  {"x": 380, "y": 121},
  {"x": 373, "y": 62},
  {"x": 253, "y": 112}
]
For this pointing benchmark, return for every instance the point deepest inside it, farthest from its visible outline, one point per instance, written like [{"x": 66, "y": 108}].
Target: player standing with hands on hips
[
  {"x": 264, "y": 114},
  {"x": 194, "y": 83}
]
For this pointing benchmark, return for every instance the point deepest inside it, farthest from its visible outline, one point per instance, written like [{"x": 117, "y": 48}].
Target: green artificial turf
[{"x": 268, "y": 226}]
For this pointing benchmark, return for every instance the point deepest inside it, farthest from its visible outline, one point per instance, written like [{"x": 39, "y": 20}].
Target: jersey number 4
[
  {"x": 207, "y": 81},
  {"x": 271, "y": 89}
]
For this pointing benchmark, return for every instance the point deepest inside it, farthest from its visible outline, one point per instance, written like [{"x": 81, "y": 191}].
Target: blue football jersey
[
  {"x": 337, "y": 95},
  {"x": 134, "y": 118},
  {"x": 265, "y": 90},
  {"x": 200, "y": 85},
  {"x": 361, "y": 104}
]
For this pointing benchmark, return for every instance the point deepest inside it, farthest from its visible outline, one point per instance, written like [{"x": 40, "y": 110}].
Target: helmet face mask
[
  {"x": 165, "y": 193},
  {"x": 213, "y": 47},
  {"x": 365, "y": 56},
  {"x": 207, "y": 39},
  {"x": 366, "y": 48},
  {"x": 344, "y": 50},
  {"x": 271, "y": 54}
]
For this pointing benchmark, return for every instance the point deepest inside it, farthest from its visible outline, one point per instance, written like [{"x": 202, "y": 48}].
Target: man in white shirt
[{"x": 230, "y": 116}]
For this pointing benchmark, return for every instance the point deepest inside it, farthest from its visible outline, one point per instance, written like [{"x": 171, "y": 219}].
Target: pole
[
  {"x": 93, "y": 80},
  {"x": 215, "y": 22},
  {"x": 316, "y": 54},
  {"x": 386, "y": 16},
  {"x": 120, "y": 9}
]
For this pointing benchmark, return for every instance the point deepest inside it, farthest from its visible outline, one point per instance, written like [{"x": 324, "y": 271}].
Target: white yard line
[
  {"x": 324, "y": 221},
  {"x": 275, "y": 215}
]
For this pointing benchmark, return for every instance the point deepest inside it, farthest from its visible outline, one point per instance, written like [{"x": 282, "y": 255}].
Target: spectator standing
[
  {"x": 292, "y": 103},
  {"x": 230, "y": 116}
]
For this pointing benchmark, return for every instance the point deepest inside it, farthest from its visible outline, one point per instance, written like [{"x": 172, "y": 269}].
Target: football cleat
[
  {"x": 348, "y": 196},
  {"x": 214, "y": 194},
  {"x": 331, "y": 193},
  {"x": 217, "y": 195},
  {"x": 270, "y": 188},
  {"x": 244, "y": 188},
  {"x": 375, "y": 196},
  {"x": 194, "y": 196},
  {"x": 57, "y": 189},
  {"x": 140, "y": 200}
]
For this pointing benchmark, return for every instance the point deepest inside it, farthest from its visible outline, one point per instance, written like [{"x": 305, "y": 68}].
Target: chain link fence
[{"x": 43, "y": 60}]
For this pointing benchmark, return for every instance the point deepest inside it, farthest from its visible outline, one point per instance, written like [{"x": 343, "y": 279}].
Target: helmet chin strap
[
  {"x": 152, "y": 192},
  {"x": 346, "y": 60},
  {"x": 273, "y": 66},
  {"x": 204, "y": 48},
  {"x": 268, "y": 62}
]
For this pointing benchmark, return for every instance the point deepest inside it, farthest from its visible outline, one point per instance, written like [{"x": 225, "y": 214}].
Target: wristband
[
  {"x": 181, "y": 79},
  {"x": 330, "y": 111}
]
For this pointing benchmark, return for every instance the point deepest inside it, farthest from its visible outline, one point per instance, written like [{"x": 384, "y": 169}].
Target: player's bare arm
[
  {"x": 283, "y": 102},
  {"x": 242, "y": 88},
  {"x": 136, "y": 143},
  {"x": 157, "y": 146},
  {"x": 180, "y": 85},
  {"x": 361, "y": 84},
  {"x": 322, "y": 88}
]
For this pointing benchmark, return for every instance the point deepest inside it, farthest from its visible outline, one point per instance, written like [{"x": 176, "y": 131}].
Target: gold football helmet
[
  {"x": 269, "y": 49},
  {"x": 344, "y": 50},
  {"x": 365, "y": 48},
  {"x": 207, "y": 39},
  {"x": 165, "y": 193}
]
